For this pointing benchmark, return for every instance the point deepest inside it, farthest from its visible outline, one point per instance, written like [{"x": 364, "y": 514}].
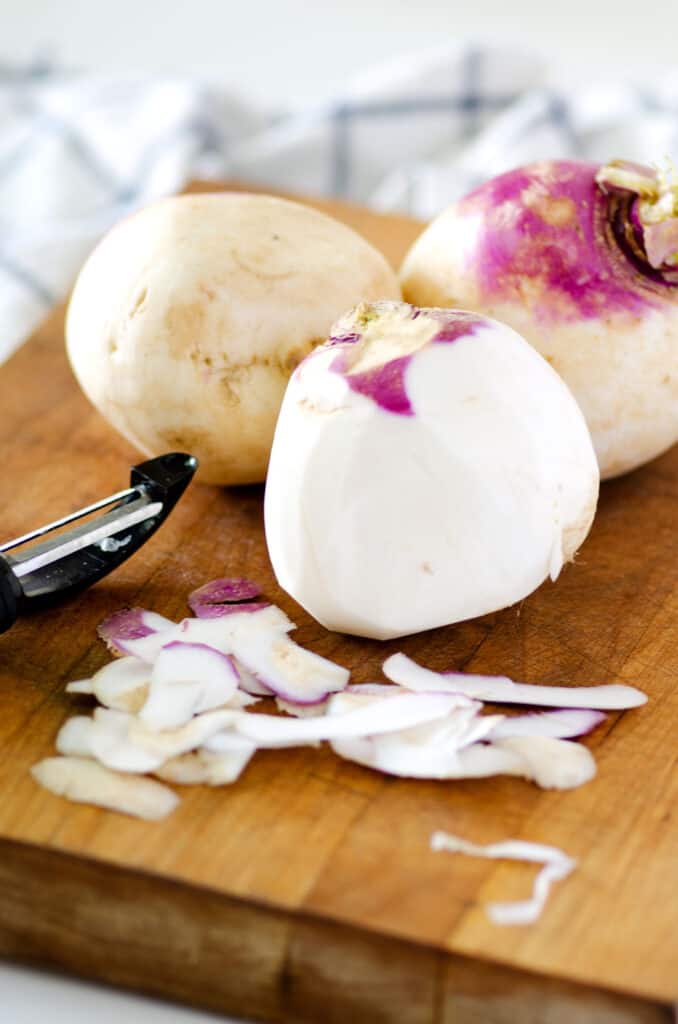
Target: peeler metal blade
[{"x": 69, "y": 560}]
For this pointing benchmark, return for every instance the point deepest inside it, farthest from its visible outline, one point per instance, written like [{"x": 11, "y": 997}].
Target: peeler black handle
[
  {"x": 67, "y": 562},
  {"x": 10, "y": 595}
]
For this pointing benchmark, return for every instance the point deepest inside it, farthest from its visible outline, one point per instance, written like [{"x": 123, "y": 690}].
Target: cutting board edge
[{"x": 298, "y": 936}]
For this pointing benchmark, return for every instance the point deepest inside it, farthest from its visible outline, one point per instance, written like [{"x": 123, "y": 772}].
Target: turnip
[
  {"x": 189, "y": 317},
  {"x": 582, "y": 260},
  {"x": 428, "y": 466}
]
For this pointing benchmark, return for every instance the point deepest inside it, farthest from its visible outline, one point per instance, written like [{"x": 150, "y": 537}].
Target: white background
[
  {"x": 292, "y": 53},
  {"x": 300, "y": 50}
]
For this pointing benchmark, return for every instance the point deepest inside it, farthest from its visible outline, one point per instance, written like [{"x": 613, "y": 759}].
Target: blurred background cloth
[{"x": 78, "y": 152}]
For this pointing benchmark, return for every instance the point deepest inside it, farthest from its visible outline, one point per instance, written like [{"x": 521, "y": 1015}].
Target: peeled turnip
[
  {"x": 188, "y": 318},
  {"x": 428, "y": 466},
  {"x": 582, "y": 261}
]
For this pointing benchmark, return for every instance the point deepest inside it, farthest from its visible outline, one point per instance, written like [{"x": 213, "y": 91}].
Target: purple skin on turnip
[
  {"x": 219, "y": 593},
  {"x": 385, "y": 384},
  {"x": 130, "y": 624},
  {"x": 582, "y": 260}
]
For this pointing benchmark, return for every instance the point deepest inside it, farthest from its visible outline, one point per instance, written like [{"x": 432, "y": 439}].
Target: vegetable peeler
[{"x": 75, "y": 559}]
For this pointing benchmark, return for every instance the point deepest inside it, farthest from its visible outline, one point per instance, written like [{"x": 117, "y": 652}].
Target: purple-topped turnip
[
  {"x": 582, "y": 260},
  {"x": 428, "y": 466}
]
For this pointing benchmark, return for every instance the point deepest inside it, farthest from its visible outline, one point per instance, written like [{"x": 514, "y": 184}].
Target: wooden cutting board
[{"x": 307, "y": 891}]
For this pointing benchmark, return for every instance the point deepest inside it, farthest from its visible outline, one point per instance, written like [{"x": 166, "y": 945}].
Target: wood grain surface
[{"x": 307, "y": 891}]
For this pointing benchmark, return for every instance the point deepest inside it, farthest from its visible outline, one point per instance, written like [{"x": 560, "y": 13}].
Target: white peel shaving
[
  {"x": 288, "y": 670},
  {"x": 560, "y": 724},
  {"x": 557, "y": 865},
  {"x": 551, "y": 763},
  {"x": 451, "y": 749},
  {"x": 121, "y": 684},
  {"x": 242, "y": 699},
  {"x": 186, "y": 679},
  {"x": 177, "y": 708},
  {"x": 217, "y": 633},
  {"x": 105, "y": 737},
  {"x": 206, "y": 767},
  {"x": 499, "y": 689},
  {"x": 433, "y": 750},
  {"x": 249, "y": 682},
  {"x": 80, "y": 686},
  {"x": 301, "y": 710},
  {"x": 378, "y": 716},
  {"x": 87, "y": 782},
  {"x": 160, "y": 745},
  {"x": 74, "y": 737}
]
